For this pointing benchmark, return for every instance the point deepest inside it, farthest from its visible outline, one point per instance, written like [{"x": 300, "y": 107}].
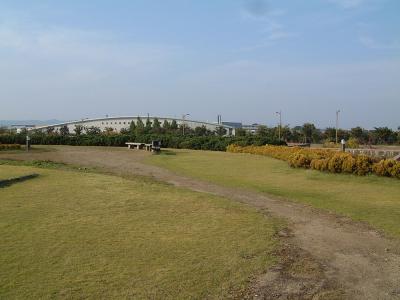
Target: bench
[
  {"x": 137, "y": 146},
  {"x": 153, "y": 147}
]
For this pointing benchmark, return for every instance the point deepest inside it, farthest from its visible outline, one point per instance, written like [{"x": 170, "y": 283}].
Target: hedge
[
  {"x": 325, "y": 160},
  {"x": 210, "y": 142}
]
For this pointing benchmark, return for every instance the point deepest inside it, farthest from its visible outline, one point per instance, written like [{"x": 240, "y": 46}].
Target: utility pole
[
  {"x": 280, "y": 123},
  {"x": 337, "y": 124},
  {"x": 183, "y": 123}
]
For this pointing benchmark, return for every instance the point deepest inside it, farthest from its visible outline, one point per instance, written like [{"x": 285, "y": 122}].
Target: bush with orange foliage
[{"x": 328, "y": 160}]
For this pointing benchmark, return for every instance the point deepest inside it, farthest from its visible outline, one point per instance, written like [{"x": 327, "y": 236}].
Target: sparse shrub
[
  {"x": 395, "y": 172},
  {"x": 318, "y": 164},
  {"x": 363, "y": 165},
  {"x": 299, "y": 160},
  {"x": 335, "y": 164},
  {"x": 387, "y": 167},
  {"x": 349, "y": 164},
  {"x": 353, "y": 143}
]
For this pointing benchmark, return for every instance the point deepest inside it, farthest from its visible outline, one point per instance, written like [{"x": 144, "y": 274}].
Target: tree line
[
  {"x": 180, "y": 136},
  {"x": 308, "y": 133},
  {"x": 170, "y": 134}
]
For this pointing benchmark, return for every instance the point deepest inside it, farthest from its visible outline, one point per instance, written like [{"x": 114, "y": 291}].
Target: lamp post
[
  {"x": 183, "y": 123},
  {"x": 280, "y": 123},
  {"x": 28, "y": 142},
  {"x": 337, "y": 124}
]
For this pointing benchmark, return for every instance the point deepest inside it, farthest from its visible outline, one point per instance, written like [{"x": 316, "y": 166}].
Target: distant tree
[
  {"x": 297, "y": 134},
  {"x": 308, "y": 129},
  {"x": 220, "y": 131},
  {"x": 108, "y": 130},
  {"x": 240, "y": 132},
  {"x": 286, "y": 133},
  {"x": 398, "y": 135},
  {"x": 262, "y": 131},
  {"x": 316, "y": 136},
  {"x": 357, "y": 133},
  {"x": 78, "y": 129},
  {"x": 50, "y": 130},
  {"x": 166, "y": 126},
  {"x": 330, "y": 134},
  {"x": 23, "y": 131},
  {"x": 3, "y": 130},
  {"x": 148, "y": 126},
  {"x": 64, "y": 130},
  {"x": 93, "y": 130},
  {"x": 125, "y": 131},
  {"x": 201, "y": 131},
  {"x": 156, "y": 128},
  {"x": 343, "y": 134},
  {"x": 132, "y": 127},
  {"x": 139, "y": 126},
  {"x": 384, "y": 135},
  {"x": 174, "y": 125}
]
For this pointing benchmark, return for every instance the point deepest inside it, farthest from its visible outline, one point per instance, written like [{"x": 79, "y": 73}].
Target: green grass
[
  {"x": 72, "y": 234},
  {"x": 372, "y": 199}
]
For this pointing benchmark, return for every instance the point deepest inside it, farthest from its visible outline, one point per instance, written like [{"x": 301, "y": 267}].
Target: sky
[{"x": 243, "y": 59}]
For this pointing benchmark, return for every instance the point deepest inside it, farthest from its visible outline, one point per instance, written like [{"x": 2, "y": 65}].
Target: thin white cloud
[
  {"x": 276, "y": 31},
  {"x": 349, "y": 4},
  {"x": 79, "y": 45},
  {"x": 263, "y": 15},
  {"x": 371, "y": 43}
]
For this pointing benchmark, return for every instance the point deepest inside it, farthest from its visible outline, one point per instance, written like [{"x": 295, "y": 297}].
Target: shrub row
[
  {"x": 325, "y": 160},
  {"x": 215, "y": 143},
  {"x": 10, "y": 146}
]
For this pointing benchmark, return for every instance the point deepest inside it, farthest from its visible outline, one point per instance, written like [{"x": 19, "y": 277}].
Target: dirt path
[{"x": 365, "y": 264}]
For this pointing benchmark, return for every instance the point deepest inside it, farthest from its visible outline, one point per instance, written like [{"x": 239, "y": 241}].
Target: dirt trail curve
[{"x": 363, "y": 262}]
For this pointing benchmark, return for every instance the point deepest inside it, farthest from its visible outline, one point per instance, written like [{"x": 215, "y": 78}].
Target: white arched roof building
[{"x": 118, "y": 123}]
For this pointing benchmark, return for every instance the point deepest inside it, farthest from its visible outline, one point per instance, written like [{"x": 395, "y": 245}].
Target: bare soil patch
[{"x": 325, "y": 257}]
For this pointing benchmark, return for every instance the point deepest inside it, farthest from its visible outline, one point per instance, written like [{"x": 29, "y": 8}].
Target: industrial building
[
  {"x": 118, "y": 123},
  {"x": 253, "y": 128}
]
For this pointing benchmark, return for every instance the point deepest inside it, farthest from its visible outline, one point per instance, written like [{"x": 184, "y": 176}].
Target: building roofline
[{"x": 127, "y": 117}]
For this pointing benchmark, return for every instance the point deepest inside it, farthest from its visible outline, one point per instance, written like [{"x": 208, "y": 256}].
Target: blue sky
[{"x": 243, "y": 59}]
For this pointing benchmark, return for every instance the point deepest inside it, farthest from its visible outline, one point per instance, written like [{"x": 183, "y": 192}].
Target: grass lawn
[
  {"x": 373, "y": 199},
  {"x": 72, "y": 234},
  {"x": 12, "y": 173}
]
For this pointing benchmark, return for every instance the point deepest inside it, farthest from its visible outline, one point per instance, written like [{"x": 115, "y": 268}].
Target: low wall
[{"x": 375, "y": 152}]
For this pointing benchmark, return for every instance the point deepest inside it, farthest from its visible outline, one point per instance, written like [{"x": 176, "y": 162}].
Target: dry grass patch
[{"x": 70, "y": 234}]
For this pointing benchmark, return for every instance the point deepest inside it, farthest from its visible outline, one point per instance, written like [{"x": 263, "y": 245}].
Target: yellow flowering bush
[
  {"x": 387, "y": 167},
  {"x": 328, "y": 160}
]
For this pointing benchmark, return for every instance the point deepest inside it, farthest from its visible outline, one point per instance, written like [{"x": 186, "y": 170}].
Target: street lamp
[
  {"x": 280, "y": 123},
  {"x": 337, "y": 124},
  {"x": 183, "y": 123}
]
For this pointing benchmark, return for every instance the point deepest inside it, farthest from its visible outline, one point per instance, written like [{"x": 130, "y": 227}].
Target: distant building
[
  {"x": 118, "y": 123},
  {"x": 253, "y": 128},
  {"x": 233, "y": 124}
]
